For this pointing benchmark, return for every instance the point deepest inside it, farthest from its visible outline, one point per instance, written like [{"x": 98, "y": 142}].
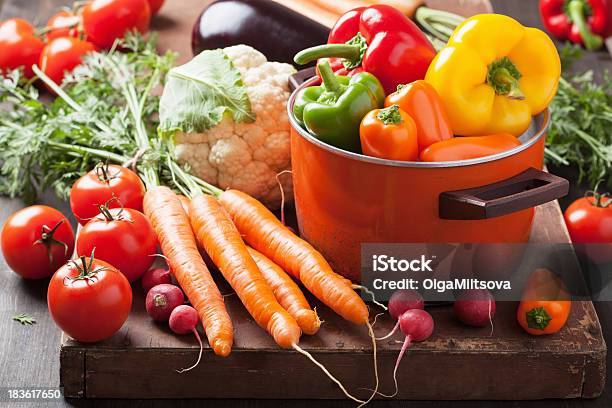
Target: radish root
[
  {"x": 391, "y": 333},
  {"x": 369, "y": 292},
  {"x": 405, "y": 346},
  {"x": 331, "y": 377},
  {"x": 195, "y": 332},
  {"x": 490, "y": 318}
]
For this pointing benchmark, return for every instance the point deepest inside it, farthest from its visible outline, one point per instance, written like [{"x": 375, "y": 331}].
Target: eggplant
[{"x": 275, "y": 30}]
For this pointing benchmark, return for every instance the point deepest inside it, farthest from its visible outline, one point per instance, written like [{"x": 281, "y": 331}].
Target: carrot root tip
[
  {"x": 371, "y": 294},
  {"x": 326, "y": 371},
  {"x": 375, "y": 390}
]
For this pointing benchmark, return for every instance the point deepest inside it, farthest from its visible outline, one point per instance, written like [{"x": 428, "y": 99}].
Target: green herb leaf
[
  {"x": 49, "y": 144},
  {"x": 581, "y": 117},
  {"x": 24, "y": 319},
  {"x": 199, "y": 94}
]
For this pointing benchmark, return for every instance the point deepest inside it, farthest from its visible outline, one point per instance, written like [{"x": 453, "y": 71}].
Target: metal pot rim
[{"x": 537, "y": 130}]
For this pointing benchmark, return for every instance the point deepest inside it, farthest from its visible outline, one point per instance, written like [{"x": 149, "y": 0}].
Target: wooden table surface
[{"x": 29, "y": 355}]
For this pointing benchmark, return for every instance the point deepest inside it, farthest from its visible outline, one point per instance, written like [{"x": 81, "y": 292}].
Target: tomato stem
[
  {"x": 85, "y": 269},
  {"x": 47, "y": 239},
  {"x": 103, "y": 173},
  {"x": 600, "y": 200}
]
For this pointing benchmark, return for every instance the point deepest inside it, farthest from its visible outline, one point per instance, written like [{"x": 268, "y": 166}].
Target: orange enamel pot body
[{"x": 345, "y": 199}]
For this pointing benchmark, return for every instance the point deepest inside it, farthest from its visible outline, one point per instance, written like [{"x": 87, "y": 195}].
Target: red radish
[
  {"x": 183, "y": 320},
  {"x": 162, "y": 300},
  {"x": 417, "y": 325},
  {"x": 400, "y": 302},
  {"x": 154, "y": 277},
  {"x": 475, "y": 308}
]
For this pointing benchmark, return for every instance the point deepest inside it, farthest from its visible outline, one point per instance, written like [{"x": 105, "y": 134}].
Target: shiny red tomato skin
[
  {"x": 89, "y": 191},
  {"x": 128, "y": 243},
  {"x": 89, "y": 310},
  {"x": 61, "y": 55},
  {"x": 20, "y": 232},
  {"x": 19, "y": 46},
  {"x": 590, "y": 224},
  {"x": 104, "y": 21},
  {"x": 62, "y": 24},
  {"x": 155, "y": 5}
]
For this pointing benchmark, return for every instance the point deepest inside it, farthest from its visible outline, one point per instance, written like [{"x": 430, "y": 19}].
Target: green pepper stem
[
  {"x": 328, "y": 77},
  {"x": 347, "y": 51},
  {"x": 577, "y": 13}
]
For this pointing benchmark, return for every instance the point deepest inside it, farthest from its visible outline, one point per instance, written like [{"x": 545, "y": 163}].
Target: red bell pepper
[
  {"x": 585, "y": 22},
  {"x": 381, "y": 40}
]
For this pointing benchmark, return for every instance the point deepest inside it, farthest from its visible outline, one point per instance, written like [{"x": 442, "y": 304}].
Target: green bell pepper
[{"x": 333, "y": 111}]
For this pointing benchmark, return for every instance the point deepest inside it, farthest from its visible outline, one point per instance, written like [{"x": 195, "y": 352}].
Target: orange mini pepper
[
  {"x": 545, "y": 305},
  {"x": 469, "y": 147},
  {"x": 421, "y": 101},
  {"x": 389, "y": 133}
]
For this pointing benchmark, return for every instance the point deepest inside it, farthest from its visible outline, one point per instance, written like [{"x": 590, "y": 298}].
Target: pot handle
[
  {"x": 297, "y": 79},
  {"x": 525, "y": 190}
]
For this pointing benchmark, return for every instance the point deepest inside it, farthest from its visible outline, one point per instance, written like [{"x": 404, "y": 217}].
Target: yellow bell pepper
[{"x": 494, "y": 75}]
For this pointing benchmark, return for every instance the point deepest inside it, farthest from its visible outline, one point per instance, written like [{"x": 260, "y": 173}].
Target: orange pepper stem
[
  {"x": 390, "y": 115},
  {"x": 538, "y": 318}
]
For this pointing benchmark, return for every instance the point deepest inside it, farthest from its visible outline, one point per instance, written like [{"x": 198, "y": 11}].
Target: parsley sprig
[
  {"x": 581, "y": 119},
  {"x": 105, "y": 108}
]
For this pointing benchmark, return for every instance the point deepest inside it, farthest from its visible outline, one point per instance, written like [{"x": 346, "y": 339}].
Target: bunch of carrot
[
  {"x": 256, "y": 273},
  {"x": 220, "y": 222}
]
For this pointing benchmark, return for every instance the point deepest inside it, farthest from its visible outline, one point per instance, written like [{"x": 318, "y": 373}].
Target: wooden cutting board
[{"x": 457, "y": 362}]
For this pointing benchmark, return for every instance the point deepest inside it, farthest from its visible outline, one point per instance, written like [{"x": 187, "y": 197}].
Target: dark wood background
[{"x": 29, "y": 355}]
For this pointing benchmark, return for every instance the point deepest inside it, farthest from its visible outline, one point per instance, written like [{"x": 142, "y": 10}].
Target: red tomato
[
  {"x": 100, "y": 186},
  {"x": 63, "y": 24},
  {"x": 19, "y": 47},
  {"x": 36, "y": 241},
  {"x": 589, "y": 221},
  {"x": 155, "y": 5},
  {"x": 89, "y": 299},
  {"x": 104, "y": 21},
  {"x": 122, "y": 237},
  {"x": 61, "y": 55}
]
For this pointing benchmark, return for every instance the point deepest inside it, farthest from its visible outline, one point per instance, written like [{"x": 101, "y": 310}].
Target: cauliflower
[{"x": 247, "y": 156}]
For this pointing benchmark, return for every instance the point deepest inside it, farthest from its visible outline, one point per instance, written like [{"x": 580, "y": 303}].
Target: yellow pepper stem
[{"x": 504, "y": 77}]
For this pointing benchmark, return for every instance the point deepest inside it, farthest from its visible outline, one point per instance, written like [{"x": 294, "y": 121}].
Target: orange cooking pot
[{"x": 345, "y": 199}]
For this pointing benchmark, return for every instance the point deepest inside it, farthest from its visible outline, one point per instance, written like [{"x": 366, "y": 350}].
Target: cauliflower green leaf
[{"x": 199, "y": 93}]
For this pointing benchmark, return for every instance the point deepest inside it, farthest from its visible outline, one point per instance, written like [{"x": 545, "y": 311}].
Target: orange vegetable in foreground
[
  {"x": 287, "y": 293},
  {"x": 389, "y": 133},
  {"x": 217, "y": 234},
  {"x": 264, "y": 232},
  {"x": 470, "y": 147},
  {"x": 546, "y": 303},
  {"x": 421, "y": 101},
  {"x": 175, "y": 236}
]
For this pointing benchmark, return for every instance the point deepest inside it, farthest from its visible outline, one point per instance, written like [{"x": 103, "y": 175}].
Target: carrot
[
  {"x": 218, "y": 235},
  {"x": 184, "y": 202},
  {"x": 171, "y": 224},
  {"x": 287, "y": 293},
  {"x": 264, "y": 232}
]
